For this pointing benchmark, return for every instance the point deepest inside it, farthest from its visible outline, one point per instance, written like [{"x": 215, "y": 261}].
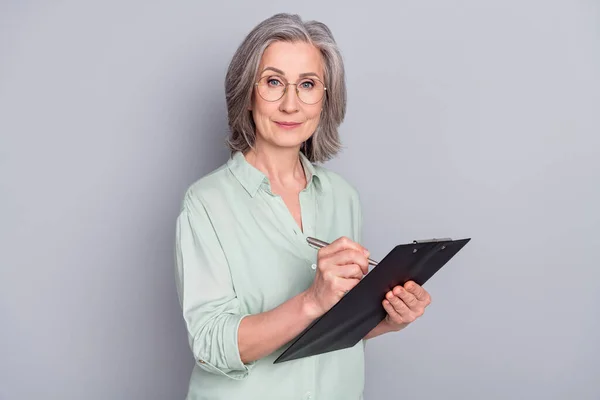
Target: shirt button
[
  {"x": 314, "y": 266},
  {"x": 308, "y": 396}
]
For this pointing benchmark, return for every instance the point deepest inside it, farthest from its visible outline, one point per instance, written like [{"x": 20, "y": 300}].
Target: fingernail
[{"x": 366, "y": 252}]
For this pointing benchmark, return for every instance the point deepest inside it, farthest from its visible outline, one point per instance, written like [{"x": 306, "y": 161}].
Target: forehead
[{"x": 293, "y": 58}]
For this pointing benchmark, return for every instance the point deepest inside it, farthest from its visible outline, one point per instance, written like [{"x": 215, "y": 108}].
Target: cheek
[
  {"x": 314, "y": 116},
  {"x": 260, "y": 119},
  {"x": 263, "y": 112},
  {"x": 313, "y": 120}
]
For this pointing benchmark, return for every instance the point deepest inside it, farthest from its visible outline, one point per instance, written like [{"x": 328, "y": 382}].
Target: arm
[
  {"x": 222, "y": 338},
  {"x": 210, "y": 307},
  {"x": 340, "y": 266},
  {"x": 261, "y": 334},
  {"x": 380, "y": 329}
]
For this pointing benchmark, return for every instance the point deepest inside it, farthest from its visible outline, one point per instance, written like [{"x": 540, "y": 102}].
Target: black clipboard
[{"x": 360, "y": 310}]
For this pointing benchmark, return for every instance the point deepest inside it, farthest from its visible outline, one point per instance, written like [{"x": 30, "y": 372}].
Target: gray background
[{"x": 465, "y": 119}]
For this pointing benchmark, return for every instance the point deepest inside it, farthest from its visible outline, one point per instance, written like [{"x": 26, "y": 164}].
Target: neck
[{"x": 280, "y": 165}]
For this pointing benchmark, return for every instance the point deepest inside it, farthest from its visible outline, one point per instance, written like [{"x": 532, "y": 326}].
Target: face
[{"x": 288, "y": 121}]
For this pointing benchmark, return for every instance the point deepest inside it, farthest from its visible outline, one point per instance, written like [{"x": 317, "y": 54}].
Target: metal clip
[{"x": 432, "y": 240}]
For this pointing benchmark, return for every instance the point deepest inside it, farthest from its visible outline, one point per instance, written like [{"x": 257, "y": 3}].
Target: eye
[
  {"x": 273, "y": 82},
  {"x": 306, "y": 85}
]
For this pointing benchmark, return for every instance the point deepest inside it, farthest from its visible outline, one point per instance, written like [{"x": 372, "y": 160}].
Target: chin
[
  {"x": 288, "y": 139},
  {"x": 288, "y": 143}
]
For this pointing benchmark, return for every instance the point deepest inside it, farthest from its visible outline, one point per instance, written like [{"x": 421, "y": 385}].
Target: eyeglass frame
[{"x": 286, "y": 84}]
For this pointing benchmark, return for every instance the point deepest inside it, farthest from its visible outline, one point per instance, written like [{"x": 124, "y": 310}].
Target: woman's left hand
[{"x": 404, "y": 304}]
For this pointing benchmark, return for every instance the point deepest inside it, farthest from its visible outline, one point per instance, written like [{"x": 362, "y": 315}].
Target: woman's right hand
[{"x": 340, "y": 266}]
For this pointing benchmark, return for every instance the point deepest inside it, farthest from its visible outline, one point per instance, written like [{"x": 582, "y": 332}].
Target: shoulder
[{"x": 205, "y": 188}]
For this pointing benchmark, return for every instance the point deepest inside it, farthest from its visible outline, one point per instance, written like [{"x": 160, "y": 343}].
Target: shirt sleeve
[{"x": 206, "y": 294}]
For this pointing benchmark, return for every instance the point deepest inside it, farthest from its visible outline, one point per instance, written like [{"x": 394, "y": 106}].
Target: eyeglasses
[{"x": 309, "y": 90}]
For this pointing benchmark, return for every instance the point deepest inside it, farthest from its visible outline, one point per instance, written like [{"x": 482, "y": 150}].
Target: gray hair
[{"x": 239, "y": 83}]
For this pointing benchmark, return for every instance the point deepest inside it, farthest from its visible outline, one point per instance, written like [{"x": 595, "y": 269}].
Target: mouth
[{"x": 287, "y": 124}]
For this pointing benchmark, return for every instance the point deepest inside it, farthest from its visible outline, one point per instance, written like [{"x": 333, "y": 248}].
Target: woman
[{"x": 247, "y": 279}]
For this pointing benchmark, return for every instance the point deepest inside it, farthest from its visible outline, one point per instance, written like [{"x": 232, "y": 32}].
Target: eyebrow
[{"x": 280, "y": 72}]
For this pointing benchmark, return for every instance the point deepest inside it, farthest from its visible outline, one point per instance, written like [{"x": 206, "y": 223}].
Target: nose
[{"x": 289, "y": 102}]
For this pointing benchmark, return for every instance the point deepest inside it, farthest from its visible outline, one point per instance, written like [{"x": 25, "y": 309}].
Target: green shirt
[{"x": 239, "y": 251}]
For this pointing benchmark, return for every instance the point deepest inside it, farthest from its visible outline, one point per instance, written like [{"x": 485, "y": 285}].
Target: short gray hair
[{"x": 325, "y": 143}]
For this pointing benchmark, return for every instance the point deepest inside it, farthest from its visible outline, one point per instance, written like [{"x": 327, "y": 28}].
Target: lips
[{"x": 288, "y": 124}]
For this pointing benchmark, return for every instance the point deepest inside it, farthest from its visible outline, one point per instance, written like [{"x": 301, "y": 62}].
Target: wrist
[
  {"x": 309, "y": 307},
  {"x": 392, "y": 327}
]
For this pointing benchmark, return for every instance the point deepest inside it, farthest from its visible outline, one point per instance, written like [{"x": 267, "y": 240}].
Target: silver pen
[{"x": 319, "y": 243}]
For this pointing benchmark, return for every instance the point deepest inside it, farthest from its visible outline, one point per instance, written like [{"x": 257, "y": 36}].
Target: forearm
[
  {"x": 381, "y": 328},
  {"x": 261, "y": 334}
]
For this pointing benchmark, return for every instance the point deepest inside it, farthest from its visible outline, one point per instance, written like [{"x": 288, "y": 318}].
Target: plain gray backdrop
[{"x": 470, "y": 118}]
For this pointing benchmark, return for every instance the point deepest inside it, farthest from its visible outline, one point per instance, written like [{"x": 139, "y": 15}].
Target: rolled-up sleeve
[{"x": 206, "y": 294}]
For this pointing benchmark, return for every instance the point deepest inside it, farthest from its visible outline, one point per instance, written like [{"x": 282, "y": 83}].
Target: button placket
[{"x": 309, "y": 203}]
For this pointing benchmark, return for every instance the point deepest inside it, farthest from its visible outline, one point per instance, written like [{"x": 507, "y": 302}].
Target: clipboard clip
[{"x": 431, "y": 240}]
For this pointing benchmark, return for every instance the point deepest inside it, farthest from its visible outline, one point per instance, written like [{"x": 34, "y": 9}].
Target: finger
[
  {"x": 407, "y": 297},
  {"x": 348, "y": 271},
  {"x": 399, "y": 305},
  {"x": 418, "y": 291},
  {"x": 340, "y": 244},
  {"x": 351, "y": 257},
  {"x": 392, "y": 313}
]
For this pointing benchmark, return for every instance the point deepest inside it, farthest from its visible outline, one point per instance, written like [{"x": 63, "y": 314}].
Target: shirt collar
[{"x": 252, "y": 178}]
